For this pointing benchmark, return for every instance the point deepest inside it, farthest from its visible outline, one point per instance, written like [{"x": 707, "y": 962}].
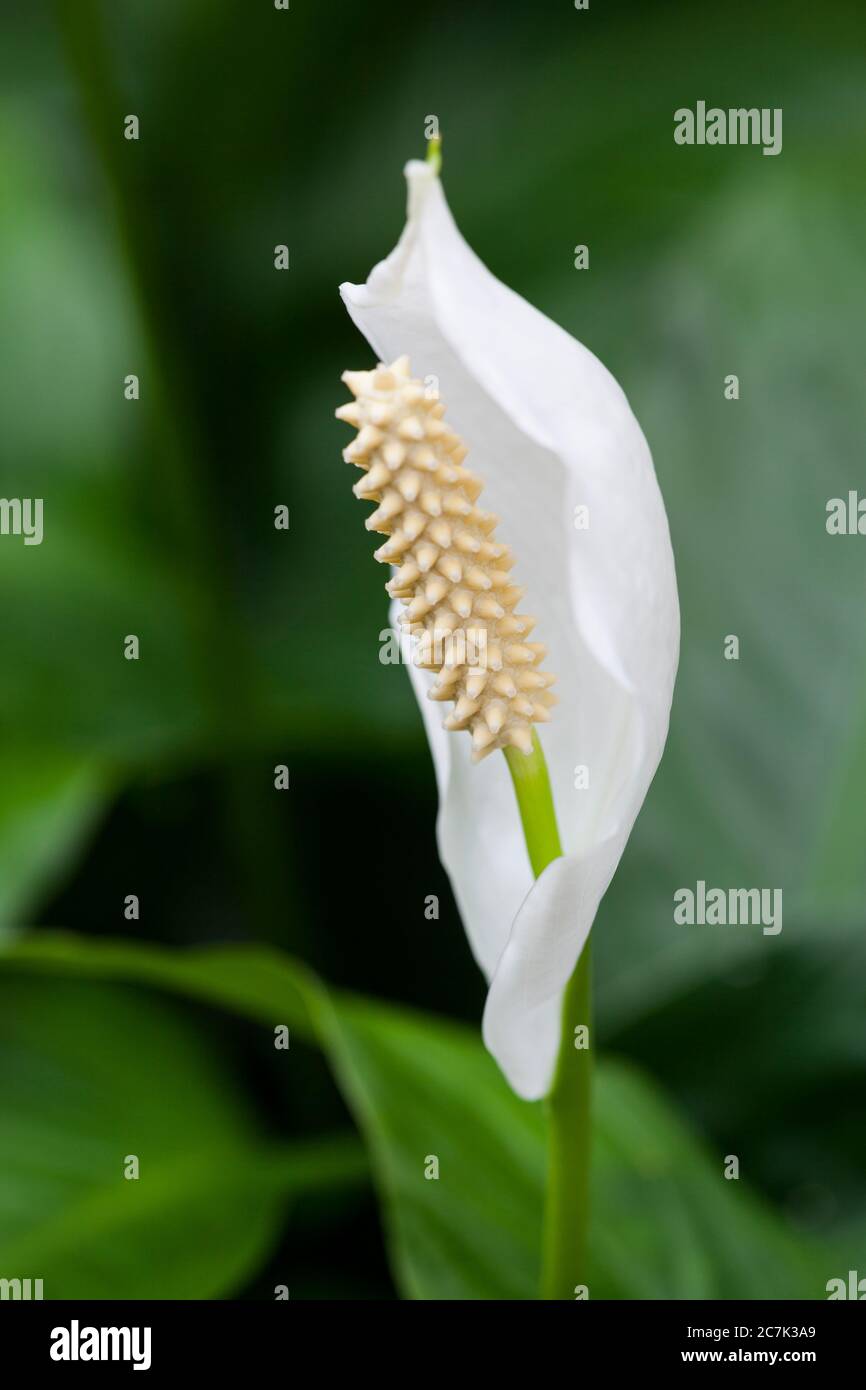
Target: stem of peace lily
[{"x": 566, "y": 1214}]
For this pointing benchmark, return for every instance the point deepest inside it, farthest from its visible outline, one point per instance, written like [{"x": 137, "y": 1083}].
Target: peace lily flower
[{"x": 569, "y": 488}]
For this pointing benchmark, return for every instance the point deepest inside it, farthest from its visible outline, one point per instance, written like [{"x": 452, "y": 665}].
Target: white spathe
[{"x": 549, "y": 430}]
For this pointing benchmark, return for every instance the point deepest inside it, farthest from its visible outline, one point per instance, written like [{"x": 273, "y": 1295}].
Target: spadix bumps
[{"x": 452, "y": 575}]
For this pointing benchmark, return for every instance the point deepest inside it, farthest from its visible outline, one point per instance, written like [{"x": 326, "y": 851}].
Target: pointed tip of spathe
[{"x": 422, "y": 184}]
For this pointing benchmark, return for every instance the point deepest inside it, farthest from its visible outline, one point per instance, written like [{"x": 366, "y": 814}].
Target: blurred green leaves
[
  {"x": 48, "y": 804},
  {"x": 666, "y": 1222},
  {"x": 91, "y": 1075},
  {"x": 761, "y": 783}
]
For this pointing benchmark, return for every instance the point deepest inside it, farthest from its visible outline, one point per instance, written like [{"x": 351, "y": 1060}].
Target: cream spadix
[
  {"x": 454, "y": 575},
  {"x": 551, "y": 434}
]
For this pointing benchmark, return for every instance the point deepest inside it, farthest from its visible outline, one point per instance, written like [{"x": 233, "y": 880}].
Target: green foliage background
[{"x": 305, "y": 1168}]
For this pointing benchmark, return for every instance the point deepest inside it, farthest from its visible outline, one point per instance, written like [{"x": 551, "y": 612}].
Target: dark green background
[{"x": 261, "y": 647}]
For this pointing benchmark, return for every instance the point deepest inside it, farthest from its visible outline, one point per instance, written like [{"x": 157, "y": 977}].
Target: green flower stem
[
  {"x": 566, "y": 1214},
  {"x": 535, "y": 803}
]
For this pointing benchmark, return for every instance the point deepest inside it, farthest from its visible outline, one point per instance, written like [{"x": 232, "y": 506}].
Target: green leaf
[
  {"x": 48, "y": 805},
  {"x": 423, "y": 1088},
  {"x": 802, "y": 1047},
  {"x": 91, "y": 1074},
  {"x": 666, "y": 1223}
]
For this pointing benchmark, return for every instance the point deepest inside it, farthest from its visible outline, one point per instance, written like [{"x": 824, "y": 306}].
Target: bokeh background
[{"x": 303, "y": 1168}]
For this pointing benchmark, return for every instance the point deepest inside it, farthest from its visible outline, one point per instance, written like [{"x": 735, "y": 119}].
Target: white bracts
[
  {"x": 453, "y": 576},
  {"x": 568, "y": 473}
]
